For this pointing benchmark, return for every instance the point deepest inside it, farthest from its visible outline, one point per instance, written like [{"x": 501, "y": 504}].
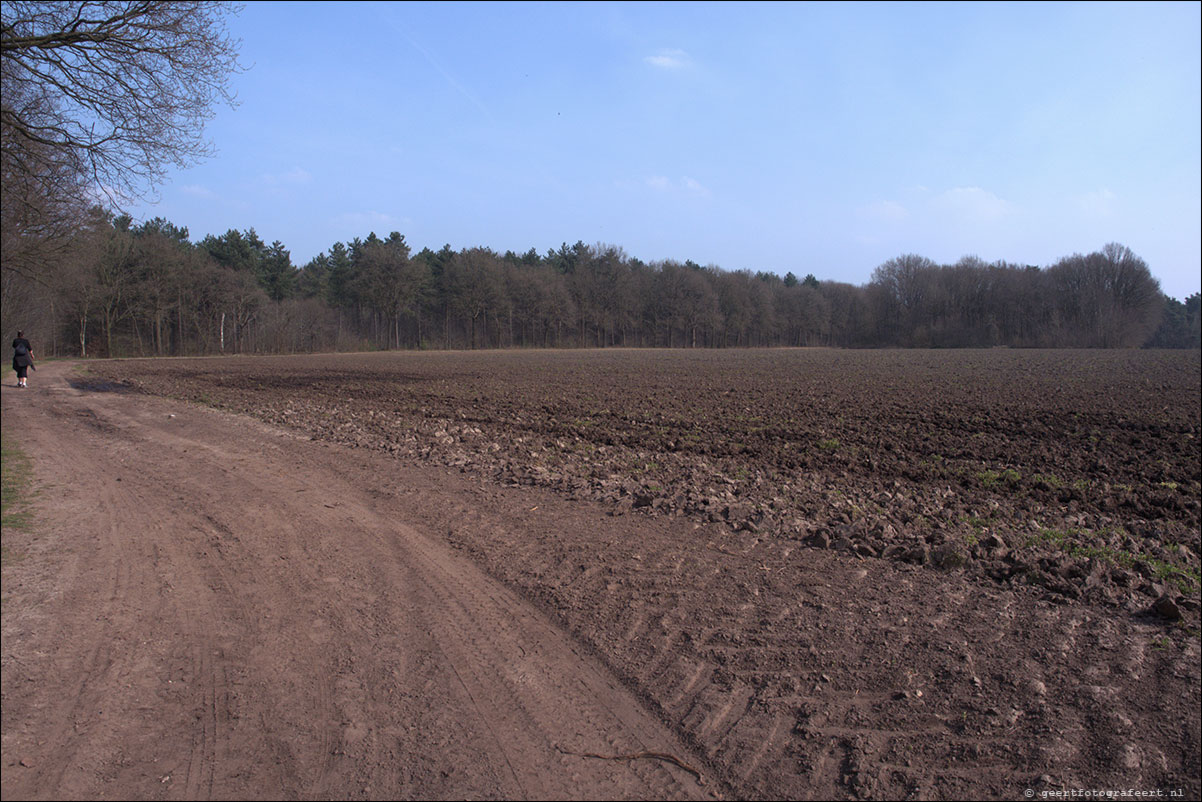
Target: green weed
[
  {"x": 1185, "y": 579},
  {"x": 1048, "y": 480},
  {"x": 1068, "y": 541},
  {"x": 16, "y": 483},
  {"x": 990, "y": 479}
]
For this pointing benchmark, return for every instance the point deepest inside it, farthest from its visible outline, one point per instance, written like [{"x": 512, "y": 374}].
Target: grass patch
[
  {"x": 16, "y": 483},
  {"x": 990, "y": 479},
  {"x": 1186, "y": 579},
  {"x": 1049, "y": 481}
]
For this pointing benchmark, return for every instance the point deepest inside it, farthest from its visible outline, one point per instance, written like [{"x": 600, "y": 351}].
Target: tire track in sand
[{"x": 269, "y": 627}]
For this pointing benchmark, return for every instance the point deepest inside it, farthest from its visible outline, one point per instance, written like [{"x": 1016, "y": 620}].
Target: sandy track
[{"x": 209, "y": 608}]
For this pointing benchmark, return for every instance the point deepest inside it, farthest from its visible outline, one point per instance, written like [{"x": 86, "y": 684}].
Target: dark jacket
[{"x": 22, "y": 357}]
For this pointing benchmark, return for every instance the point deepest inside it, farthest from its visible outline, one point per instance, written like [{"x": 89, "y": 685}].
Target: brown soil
[{"x": 532, "y": 560}]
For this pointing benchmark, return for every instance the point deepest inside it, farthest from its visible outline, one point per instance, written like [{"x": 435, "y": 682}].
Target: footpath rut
[{"x": 209, "y": 608}]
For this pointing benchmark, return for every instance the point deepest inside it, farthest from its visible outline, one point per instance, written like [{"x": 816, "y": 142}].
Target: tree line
[{"x": 126, "y": 289}]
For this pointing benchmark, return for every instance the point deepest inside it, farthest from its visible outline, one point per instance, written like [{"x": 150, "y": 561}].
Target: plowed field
[
  {"x": 827, "y": 573},
  {"x": 1074, "y": 471}
]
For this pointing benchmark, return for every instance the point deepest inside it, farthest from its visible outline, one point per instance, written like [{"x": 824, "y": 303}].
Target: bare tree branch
[
  {"x": 120, "y": 88},
  {"x": 98, "y": 98}
]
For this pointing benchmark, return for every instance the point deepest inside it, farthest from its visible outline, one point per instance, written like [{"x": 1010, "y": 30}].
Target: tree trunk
[{"x": 108, "y": 332}]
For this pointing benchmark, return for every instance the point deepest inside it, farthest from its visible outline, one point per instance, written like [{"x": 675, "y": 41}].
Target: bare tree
[
  {"x": 116, "y": 91},
  {"x": 41, "y": 210}
]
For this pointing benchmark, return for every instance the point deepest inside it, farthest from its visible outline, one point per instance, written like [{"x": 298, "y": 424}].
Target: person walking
[{"x": 22, "y": 359}]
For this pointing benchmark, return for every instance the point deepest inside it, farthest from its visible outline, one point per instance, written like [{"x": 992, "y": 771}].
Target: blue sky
[{"x": 810, "y": 138}]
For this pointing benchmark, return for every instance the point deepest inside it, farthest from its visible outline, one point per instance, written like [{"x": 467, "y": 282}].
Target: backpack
[{"x": 22, "y": 349}]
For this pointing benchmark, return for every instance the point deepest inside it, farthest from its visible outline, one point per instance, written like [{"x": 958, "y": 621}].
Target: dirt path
[{"x": 211, "y": 609}]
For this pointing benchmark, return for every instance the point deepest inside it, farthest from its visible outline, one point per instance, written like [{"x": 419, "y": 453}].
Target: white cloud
[
  {"x": 694, "y": 186},
  {"x": 685, "y": 185},
  {"x": 885, "y": 211},
  {"x": 283, "y": 185},
  {"x": 942, "y": 223},
  {"x": 669, "y": 60},
  {"x": 1098, "y": 204},
  {"x": 295, "y": 177},
  {"x": 971, "y": 204},
  {"x": 198, "y": 191},
  {"x": 368, "y": 221}
]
